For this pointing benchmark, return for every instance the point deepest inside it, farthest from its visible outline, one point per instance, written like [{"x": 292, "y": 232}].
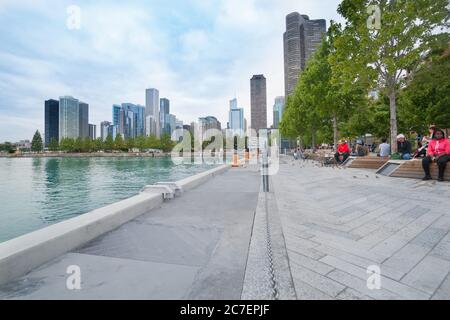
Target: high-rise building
[
  {"x": 152, "y": 109},
  {"x": 301, "y": 39},
  {"x": 51, "y": 121},
  {"x": 258, "y": 95},
  {"x": 207, "y": 123},
  {"x": 69, "y": 118},
  {"x": 92, "y": 131},
  {"x": 236, "y": 118},
  {"x": 84, "y": 119},
  {"x": 133, "y": 120},
  {"x": 164, "y": 110},
  {"x": 104, "y": 126},
  {"x": 278, "y": 109},
  {"x": 118, "y": 117}
]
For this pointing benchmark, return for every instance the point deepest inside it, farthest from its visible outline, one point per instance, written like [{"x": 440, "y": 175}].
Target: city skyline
[{"x": 197, "y": 63}]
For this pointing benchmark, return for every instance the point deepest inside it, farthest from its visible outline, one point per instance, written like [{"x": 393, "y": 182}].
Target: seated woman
[
  {"x": 343, "y": 152},
  {"x": 439, "y": 152}
]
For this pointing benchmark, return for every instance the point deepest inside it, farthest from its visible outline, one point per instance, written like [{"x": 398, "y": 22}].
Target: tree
[
  {"x": 130, "y": 143},
  {"x": 78, "y": 145},
  {"x": 119, "y": 144},
  {"x": 426, "y": 100},
  {"x": 379, "y": 56},
  {"x": 140, "y": 142},
  {"x": 67, "y": 145},
  {"x": 36, "y": 143},
  {"x": 53, "y": 145},
  {"x": 152, "y": 142},
  {"x": 109, "y": 143},
  {"x": 87, "y": 145},
  {"x": 97, "y": 145},
  {"x": 166, "y": 143}
]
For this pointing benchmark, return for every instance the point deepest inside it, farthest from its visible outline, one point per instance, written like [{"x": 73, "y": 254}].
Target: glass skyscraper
[
  {"x": 84, "y": 120},
  {"x": 69, "y": 118},
  {"x": 236, "y": 118},
  {"x": 164, "y": 111},
  {"x": 152, "y": 112},
  {"x": 51, "y": 121},
  {"x": 278, "y": 109}
]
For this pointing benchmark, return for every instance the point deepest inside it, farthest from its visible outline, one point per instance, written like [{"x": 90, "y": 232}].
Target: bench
[
  {"x": 367, "y": 162},
  {"x": 413, "y": 169}
]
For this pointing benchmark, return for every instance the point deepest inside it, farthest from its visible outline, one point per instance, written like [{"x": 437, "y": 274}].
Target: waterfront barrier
[{"x": 25, "y": 253}]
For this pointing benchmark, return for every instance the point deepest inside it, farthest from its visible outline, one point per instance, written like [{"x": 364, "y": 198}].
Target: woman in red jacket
[
  {"x": 342, "y": 151},
  {"x": 439, "y": 152}
]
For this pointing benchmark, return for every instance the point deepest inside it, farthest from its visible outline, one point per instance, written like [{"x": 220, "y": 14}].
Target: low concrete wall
[{"x": 21, "y": 255}]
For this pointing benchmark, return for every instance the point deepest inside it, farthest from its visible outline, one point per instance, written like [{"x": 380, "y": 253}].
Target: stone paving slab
[{"x": 359, "y": 219}]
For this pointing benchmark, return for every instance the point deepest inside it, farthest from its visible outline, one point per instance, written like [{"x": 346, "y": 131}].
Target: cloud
[{"x": 199, "y": 54}]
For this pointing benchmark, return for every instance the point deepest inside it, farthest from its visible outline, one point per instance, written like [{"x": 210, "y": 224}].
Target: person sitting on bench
[
  {"x": 343, "y": 152},
  {"x": 439, "y": 152},
  {"x": 404, "y": 147}
]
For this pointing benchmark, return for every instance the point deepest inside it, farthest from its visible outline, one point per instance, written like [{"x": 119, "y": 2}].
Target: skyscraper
[
  {"x": 92, "y": 131},
  {"x": 236, "y": 118},
  {"x": 164, "y": 110},
  {"x": 258, "y": 95},
  {"x": 207, "y": 123},
  {"x": 301, "y": 39},
  {"x": 104, "y": 126},
  {"x": 278, "y": 109},
  {"x": 51, "y": 121},
  {"x": 118, "y": 118},
  {"x": 133, "y": 120},
  {"x": 152, "y": 110},
  {"x": 84, "y": 119},
  {"x": 69, "y": 118}
]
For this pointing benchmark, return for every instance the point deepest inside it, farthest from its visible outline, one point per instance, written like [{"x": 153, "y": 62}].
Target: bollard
[{"x": 265, "y": 171}]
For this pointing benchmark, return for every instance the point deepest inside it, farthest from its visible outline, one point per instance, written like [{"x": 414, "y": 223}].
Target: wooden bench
[
  {"x": 413, "y": 169},
  {"x": 368, "y": 162}
]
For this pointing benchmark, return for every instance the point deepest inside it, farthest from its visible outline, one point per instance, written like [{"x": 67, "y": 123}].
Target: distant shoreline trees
[{"x": 111, "y": 144}]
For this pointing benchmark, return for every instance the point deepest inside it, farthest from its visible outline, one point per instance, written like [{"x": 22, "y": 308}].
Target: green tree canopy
[
  {"x": 379, "y": 56},
  {"x": 36, "y": 143}
]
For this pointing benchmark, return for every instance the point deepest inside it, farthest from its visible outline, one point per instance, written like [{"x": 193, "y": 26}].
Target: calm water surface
[{"x": 37, "y": 192}]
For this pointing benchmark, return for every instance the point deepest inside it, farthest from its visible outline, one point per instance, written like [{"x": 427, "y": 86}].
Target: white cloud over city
[{"x": 198, "y": 53}]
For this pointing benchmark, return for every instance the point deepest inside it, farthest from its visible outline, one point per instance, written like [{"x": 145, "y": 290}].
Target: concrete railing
[{"x": 21, "y": 255}]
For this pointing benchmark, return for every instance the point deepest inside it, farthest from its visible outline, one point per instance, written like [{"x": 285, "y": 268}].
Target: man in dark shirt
[{"x": 404, "y": 147}]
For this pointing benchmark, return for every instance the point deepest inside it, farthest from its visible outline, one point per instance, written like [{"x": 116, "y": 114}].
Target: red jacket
[
  {"x": 438, "y": 147},
  {"x": 343, "y": 148}
]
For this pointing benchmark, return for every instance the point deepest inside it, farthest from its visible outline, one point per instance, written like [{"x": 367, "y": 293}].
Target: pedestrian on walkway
[{"x": 439, "y": 152}]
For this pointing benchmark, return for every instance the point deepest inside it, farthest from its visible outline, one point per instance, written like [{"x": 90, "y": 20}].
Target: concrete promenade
[
  {"x": 313, "y": 236},
  {"x": 192, "y": 247},
  {"x": 338, "y": 222}
]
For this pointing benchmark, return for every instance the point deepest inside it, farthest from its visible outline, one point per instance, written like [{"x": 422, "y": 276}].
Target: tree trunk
[
  {"x": 335, "y": 130},
  {"x": 313, "y": 140},
  {"x": 393, "y": 121}
]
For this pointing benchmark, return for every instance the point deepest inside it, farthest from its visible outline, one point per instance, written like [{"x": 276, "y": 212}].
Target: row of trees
[
  {"x": 403, "y": 59},
  {"x": 110, "y": 144}
]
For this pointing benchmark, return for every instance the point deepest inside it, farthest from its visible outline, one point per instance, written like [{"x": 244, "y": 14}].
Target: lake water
[{"x": 37, "y": 192}]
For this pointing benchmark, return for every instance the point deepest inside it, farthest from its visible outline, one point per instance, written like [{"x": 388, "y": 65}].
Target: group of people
[{"x": 433, "y": 148}]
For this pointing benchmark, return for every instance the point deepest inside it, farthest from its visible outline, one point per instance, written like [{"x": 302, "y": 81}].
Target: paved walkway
[
  {"x": 338, "y": 222},
  {"x": 313, "y": 237},
  {"x": 193, "y": 247}
]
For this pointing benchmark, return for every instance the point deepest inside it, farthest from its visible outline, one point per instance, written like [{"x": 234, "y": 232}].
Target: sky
[{"x": 198, "y": 53}]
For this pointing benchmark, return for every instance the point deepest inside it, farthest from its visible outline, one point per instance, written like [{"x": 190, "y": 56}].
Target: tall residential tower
[
  {"x": 258, "y": 92},
  {"x": 301, "y": 39}
]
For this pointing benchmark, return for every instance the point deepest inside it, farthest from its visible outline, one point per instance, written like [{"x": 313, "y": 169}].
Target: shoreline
[{"x": 88, "y": 155}]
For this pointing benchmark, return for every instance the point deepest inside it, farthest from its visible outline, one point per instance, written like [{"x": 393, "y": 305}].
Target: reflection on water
[{"x": 40, "y": 191}]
